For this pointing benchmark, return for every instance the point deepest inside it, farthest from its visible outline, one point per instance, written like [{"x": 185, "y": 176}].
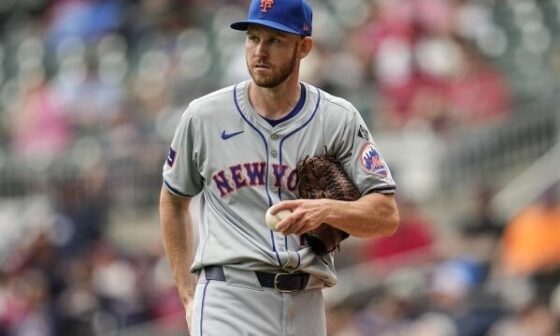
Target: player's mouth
[{"x": 262, "y": 66}]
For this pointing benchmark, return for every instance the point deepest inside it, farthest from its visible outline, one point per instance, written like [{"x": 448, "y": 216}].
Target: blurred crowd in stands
[
  {"x": 90, "y": 91},
  {"x": 485, "y": 278}
]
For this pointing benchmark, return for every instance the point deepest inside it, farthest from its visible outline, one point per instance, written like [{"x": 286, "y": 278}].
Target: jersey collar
[{"x": 294, "y": 118}]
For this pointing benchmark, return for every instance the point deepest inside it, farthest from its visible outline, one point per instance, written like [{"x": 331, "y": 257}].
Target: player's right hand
[{"x": 307, "y": 215}]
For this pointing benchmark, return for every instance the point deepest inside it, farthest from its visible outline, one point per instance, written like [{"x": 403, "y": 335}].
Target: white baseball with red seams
[{"x": 273, "y": 219}]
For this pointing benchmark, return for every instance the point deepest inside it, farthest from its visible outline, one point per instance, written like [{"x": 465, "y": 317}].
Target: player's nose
[{"x": 261, "y": 50}]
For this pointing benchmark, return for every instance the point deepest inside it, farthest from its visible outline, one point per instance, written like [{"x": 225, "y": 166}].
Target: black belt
[{"x": 285, "y": 282}]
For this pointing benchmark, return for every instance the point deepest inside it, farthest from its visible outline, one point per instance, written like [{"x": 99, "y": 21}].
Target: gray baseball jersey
[{"x": 243, "y": 165}]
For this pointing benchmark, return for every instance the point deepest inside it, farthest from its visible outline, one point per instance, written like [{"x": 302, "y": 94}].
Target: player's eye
[
  {"x": 274, "y": 41},
  {"x": 252, "y": 38}
]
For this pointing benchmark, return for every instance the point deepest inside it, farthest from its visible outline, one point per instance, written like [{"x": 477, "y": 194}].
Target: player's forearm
[
  {"x": 372, "y": 215},
  {"x": 178, "y": 241}
]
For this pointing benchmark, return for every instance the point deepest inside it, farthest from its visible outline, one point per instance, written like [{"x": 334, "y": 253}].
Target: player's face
[{"x": 272, "y": 56}]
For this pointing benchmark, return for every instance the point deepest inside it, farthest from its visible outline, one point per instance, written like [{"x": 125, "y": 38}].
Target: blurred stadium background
[{"x": 462, "y": 97}]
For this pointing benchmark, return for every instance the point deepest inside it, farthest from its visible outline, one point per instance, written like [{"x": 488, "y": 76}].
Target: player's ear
[{"x": 305, "y": 46}]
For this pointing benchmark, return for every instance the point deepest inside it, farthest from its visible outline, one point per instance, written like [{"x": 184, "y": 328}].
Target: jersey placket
[
  {"x": 290, "y": 259},
  {"x": 275, "y": 179}
]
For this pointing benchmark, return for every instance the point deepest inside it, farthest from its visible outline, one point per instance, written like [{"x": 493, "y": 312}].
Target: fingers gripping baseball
[{"x": 306, "y": 215}]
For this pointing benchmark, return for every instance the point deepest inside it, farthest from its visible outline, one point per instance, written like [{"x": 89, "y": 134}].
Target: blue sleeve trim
[
  {"x": 382, "y": 190},
  {"x": 175, "y": 191}
]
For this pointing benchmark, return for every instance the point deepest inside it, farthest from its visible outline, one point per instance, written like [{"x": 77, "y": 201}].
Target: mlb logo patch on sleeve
[
  {"x": 171, "y": 157},
  {"x": 363, "y": 133}
]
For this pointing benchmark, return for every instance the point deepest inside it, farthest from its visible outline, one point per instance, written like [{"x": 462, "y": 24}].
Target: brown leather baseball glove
[{"x": 323, "y": 177}]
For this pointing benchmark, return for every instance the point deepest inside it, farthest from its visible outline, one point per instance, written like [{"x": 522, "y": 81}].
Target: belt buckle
[{"x": 276, "y": 280}]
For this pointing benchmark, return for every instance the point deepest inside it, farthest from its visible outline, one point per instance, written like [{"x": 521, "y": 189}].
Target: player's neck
[{"x": 275, "y": 103}]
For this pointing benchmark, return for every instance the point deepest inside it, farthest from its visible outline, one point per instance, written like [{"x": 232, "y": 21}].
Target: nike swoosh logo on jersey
[{"x": 226, "y": 136}]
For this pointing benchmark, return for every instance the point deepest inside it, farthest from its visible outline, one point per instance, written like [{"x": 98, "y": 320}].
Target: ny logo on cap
[{"x": 266, "y": 4}]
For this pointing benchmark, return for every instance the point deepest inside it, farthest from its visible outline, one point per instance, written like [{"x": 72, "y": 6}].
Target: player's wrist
[
  {"x": 186, "y": 300},
  {"x": 334, "y": 211},
  {"x": 186, "y": 295}
]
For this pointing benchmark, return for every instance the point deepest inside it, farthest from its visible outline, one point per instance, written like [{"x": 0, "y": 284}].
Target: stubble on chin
[
  {"x": 276, "y": 77},
  {"x": 265, "y": 81}
]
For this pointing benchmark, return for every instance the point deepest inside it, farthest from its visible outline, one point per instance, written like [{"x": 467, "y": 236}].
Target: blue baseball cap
[{"x": 290, "y": 16}]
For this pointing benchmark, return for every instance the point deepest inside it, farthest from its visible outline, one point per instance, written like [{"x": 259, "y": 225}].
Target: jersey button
[
  {"x": 274, "y": 153},
  {"x": 274, "y": 136}
]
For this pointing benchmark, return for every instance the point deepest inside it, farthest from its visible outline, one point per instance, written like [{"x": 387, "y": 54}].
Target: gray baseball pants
[{"x": 238, "y": 305}]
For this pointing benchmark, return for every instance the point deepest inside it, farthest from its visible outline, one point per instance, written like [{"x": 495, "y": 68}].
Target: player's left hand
[{"x": 307, "y": 215}]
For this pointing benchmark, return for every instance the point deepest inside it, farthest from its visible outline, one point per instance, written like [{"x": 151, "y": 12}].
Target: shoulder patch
[
  {"x": 371, "y": 160},
  {"x": 171, "y": 155},
  {"x": 363, "y": 133}
]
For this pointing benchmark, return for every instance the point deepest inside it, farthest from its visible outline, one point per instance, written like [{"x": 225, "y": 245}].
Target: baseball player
[{"x": 238, "y": 148}]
